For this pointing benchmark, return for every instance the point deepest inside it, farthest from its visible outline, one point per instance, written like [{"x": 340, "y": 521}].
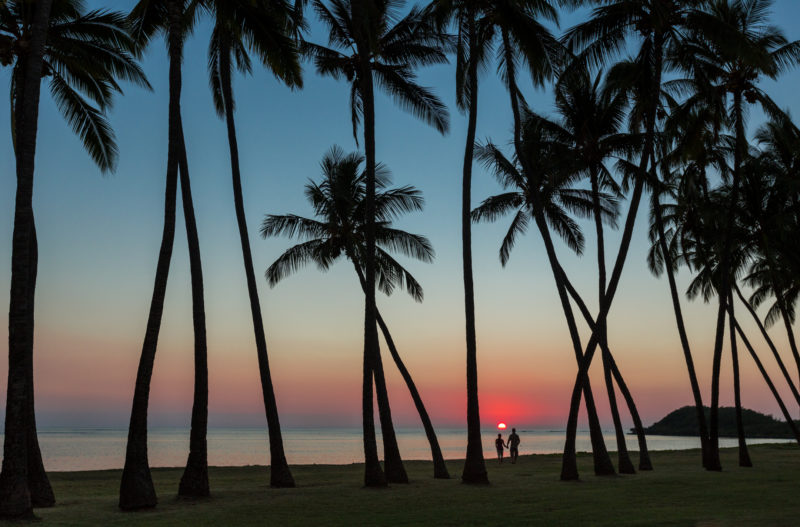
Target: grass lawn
[{"x": 678, "y": 492}]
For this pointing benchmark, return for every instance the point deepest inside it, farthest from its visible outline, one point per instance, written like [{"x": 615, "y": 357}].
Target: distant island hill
[{"x": 683, "y": 422}]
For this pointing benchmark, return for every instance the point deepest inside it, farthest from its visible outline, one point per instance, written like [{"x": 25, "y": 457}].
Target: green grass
[{"x": 678, "y": 492}]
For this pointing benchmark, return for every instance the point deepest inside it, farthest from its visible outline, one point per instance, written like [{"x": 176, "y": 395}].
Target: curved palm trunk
[
  {"x": 373, "y": 474},
  {"x": 744, "y": 455},
  {"x": 439, "y": 466},
  {"x": 474, "y": 466},
  {"x": 136, "y": 488},
  {"x": 602, "y": 460},
  {"x": 15, "y": 495},
  {"x": 764, "y": 374},
  {"x": 194, "y": 482},
  {"x": 770, "y": 343},
  {"x": 280, "y": 475},
  {"x": 738, "y": 154},
  {"x": 644, "y": 454},
  {"x": 684, "y": 338},
  {"x": 624, "y": 460},
  {"x": 392, "y": 462}
]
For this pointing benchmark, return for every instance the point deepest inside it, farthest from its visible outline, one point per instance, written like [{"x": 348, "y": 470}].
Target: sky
[{"x": 99, "y": 238}]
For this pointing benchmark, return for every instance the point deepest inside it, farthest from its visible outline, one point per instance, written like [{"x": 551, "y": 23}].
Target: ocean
[{"x": 71, "y": 449}]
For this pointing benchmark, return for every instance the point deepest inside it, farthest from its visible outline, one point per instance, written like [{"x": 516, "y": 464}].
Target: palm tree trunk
[
  {"x": 624, "y": 460},
  {"x": 770, "y": 343},
  {"x": 602, "y": 460},
  {"x": 439, "y": 466},
  {"x": 687, "y": 352},
  {"x": 392, "y": 462},
  {"x": 136, "y": 488},
  {"x": 764, "y": 374},
  {"x": 474, "y": 466},
  {"x": 280, "y": 475},
  {"x": 373, "y": 475},
  {"x": 15, "y": 494},
  {"x": 738, "y": 154},
  {"x": 194, "y": 482},
  {"x": 644, "y": 454},
  {"x": 744, "y": 455}
]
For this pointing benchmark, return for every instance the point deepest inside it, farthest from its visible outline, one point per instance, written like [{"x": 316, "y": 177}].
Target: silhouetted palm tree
[
  {"x": 591, "y": 122},
  {"x": 173, "y": 18},
  {"x": 544, "y": 195},
  {"x": 242, "y": 27},
  {"x": 737, "y": 48},
  {"x": 658, "y": 26},
  {"x": 370, "y": 44},
  {"x": 83, "y": 55},
  {"x": 338, "y": 202}
]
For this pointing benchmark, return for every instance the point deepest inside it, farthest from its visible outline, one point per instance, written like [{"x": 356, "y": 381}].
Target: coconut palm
[
  {"x": 514, "y": 27},
  {"x": 591, "y": 124},
  {"x": 544, "y": 197},
  {"x": 242, "y": 27},
  {"x": 658, "y": 26},
  {"x": 370, "y": 43},
  {"x": 174, "y": 19},
  {"x": 737, "y": 49},
  {"x": 338, "y": 202},
  {"x": 83, "y": 56}
]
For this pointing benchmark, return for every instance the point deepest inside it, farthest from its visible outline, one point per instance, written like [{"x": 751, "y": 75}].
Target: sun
[{"x": 501, "y": 426}]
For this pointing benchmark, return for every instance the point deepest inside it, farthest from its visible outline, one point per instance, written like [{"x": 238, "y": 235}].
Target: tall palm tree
[
  {"x": 338, "y": 202},
  {"x": 370, "y": 43},
  {"x": 658, "y": 26},
  {"x": 242, "y": 27},
  {"x": 737, "y": 49},
  {"x": 544, "y": 196},
  {"x": 521, "y": 39},
  {"x": 173, "y": 18},
  {"x": 49, "y": 40},
  {"x": 591, "y": 124}
]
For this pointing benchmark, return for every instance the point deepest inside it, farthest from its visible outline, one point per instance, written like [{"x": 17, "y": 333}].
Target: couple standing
[{"x": 512, "y": 445}]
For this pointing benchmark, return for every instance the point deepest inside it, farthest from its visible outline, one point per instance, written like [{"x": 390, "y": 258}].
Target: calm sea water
[{"x": 94, "y": 449}]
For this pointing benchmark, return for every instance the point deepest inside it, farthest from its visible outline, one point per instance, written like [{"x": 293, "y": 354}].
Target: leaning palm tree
[
  {"x": 82, "y": 56},
  {"x": 370, "y": 43},
  {"x": 544, "y": 195},
  {"x": 338, "y": 203},
  {"x": 242, "y": 27},
  {"x": 726, "y": 62},
  {"x": 658, "y": 26},
  {"x": 173, "y": 18},
  {"x": 591, "y": 117}
]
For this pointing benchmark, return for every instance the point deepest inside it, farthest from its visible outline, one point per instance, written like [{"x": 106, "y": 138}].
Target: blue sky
[{"x": 99, "y": 239}]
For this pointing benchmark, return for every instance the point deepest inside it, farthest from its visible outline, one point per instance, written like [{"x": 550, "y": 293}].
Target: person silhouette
[
  {"x": 500, "y": 445},
  {"x": 513, "y": 445}
]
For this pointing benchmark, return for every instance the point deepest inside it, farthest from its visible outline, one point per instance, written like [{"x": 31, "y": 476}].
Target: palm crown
[
  {"x": 397, "y": 46},
  {"x": 86, "y": 54},
  {"x": 339, "y": 230}
]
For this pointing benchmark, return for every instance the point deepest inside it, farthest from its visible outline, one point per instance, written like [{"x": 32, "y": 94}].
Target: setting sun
[{"x": 501, "y": 426}]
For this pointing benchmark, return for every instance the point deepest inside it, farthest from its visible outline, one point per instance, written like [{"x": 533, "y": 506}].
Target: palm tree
[
  {"x": 544, "y": 196},
  {"x": 737, "y": 48},
  {"x": 52, "y": 40},
  {"x": 241, "y": 27},
  {"x": 659, "y": 26},
  {"x": 338, "y": 202},
  {"x": 591, "y": 121},
  {"x": 522, "y": 39},
  {"x": 368, "y": 46},
  {"x": 173, "y": 18}
]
